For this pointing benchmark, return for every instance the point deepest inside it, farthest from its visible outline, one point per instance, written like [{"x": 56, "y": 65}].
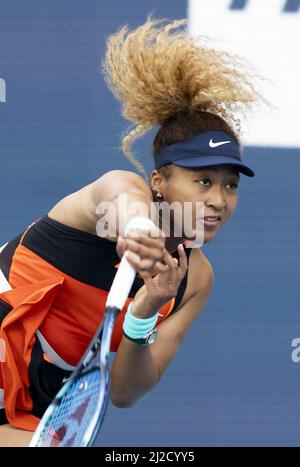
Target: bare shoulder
[
  {"x": 115, "y": 181},
  {"x": 78, "y": 209}
]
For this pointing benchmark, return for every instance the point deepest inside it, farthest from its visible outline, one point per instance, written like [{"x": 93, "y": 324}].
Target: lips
[
  {"x": 211, "y": 221},
  {"x": 212, "y": 218}
]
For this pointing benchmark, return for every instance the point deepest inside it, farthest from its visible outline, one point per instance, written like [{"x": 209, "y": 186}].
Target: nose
[{"x": 215, "y": 198}]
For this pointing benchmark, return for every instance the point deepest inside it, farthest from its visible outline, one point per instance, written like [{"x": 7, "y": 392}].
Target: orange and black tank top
[
  {"x": 59, "y": 278},
  {"x": 87, "y": 264}
]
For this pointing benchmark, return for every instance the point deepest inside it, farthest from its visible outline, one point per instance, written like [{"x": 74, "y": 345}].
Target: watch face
[{"x": 152, "y": 337}]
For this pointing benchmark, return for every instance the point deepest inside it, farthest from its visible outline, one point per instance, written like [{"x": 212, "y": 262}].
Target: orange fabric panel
[
  {"x": 76, "y": 312},
  {"x": 65, "y": 310},
  {"x": 30, "y": 305}
]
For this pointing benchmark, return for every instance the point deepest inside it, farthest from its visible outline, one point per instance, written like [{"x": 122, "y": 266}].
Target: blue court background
[{"x": 233, "y": 381}]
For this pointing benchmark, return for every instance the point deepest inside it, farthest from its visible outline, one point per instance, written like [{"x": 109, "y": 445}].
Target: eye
[
  {"x": 233, "y": 186},
  {"x": 204, "y": 182}
]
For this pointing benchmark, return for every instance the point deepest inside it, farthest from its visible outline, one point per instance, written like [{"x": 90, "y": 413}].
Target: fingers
[
  {"x": 155, "y": 232},
  {"x": 121, "y": 246},
  {"x": 159, "y": 268},
  {"x": 147, "y": 252},
  {"x": 154, "y": 252},
  {"x": 164, "y": 285},
  {"x": 140, "y": 244},
  {"x": 144, "y": 265},
  {"x": 176, "y": 269},
  {"x": 182, "y": 259},
  {"x": 172, "y": 264}
]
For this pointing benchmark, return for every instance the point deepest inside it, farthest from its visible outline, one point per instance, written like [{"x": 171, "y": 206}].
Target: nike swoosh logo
[
  {"x": 65, "y": 379},
  {"x": 159, "y": 314},
  {"x": 215, "y": 145}
]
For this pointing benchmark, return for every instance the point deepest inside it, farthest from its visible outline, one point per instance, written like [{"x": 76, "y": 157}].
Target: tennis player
[{"x": 55, "y": 276}]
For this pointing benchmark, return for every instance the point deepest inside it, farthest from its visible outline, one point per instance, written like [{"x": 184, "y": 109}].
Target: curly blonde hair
[{"x": 158, "y": 71}]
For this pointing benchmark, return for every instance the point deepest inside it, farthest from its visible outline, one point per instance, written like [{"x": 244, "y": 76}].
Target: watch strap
[{"x": 143, "y": 340}]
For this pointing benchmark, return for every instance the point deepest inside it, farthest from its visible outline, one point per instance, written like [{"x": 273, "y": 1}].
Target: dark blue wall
[{"x": 233, "y": 381}]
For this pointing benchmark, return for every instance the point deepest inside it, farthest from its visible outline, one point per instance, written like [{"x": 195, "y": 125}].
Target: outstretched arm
[{"x": 137, "y": 369}]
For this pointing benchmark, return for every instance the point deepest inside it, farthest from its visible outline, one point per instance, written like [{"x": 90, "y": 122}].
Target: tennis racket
[{"x": 75, "y": 416}]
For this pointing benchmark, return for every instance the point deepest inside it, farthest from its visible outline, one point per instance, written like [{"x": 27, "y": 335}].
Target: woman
[{"x": 56, "y": 274}]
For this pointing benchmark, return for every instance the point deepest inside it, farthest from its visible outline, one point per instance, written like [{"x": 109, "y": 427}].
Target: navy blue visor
[{"x": 204, "y": 150}]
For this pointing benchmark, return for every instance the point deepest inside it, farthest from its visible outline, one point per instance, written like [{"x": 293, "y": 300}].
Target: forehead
[{"x": 218, "y": 169}]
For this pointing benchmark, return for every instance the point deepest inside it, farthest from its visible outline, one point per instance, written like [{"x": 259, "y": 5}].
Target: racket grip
[
  {"x": 121, "y": 285},
  {"x": 125, "y": 276}
]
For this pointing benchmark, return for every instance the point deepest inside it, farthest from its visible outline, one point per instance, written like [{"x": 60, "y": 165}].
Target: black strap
[
  {"x": 183, "y": 284},
  {"x": 4, "y": 310}
]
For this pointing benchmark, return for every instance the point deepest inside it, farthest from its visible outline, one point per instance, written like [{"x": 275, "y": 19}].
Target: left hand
[{"x": 160, "y": 288}]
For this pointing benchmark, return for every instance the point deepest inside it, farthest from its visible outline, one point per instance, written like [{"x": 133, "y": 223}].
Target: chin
[{"x": 208, "y": 236}]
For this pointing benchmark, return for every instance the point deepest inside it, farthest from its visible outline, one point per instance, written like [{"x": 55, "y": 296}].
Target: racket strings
[
  {"x": 71, "y": 416},
  {"x": 75, "y": 416}
]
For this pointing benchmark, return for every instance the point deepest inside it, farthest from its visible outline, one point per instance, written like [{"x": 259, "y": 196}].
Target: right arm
[
  {"x": 81, "y": 210},
  {"x": 129, "y": 196},
  {"x": 123, "y": 190}
]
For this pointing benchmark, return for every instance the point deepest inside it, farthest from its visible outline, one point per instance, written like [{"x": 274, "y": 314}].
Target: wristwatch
[{"x": 148, "y": 339}]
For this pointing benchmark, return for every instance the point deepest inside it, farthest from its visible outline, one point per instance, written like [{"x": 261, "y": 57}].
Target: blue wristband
[{"x": 137, "y": 328}]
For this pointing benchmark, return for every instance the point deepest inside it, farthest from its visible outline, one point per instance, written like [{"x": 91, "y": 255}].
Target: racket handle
[
  {"x": 121, "y": 285},
  {"x": 124, "y": 278}
]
